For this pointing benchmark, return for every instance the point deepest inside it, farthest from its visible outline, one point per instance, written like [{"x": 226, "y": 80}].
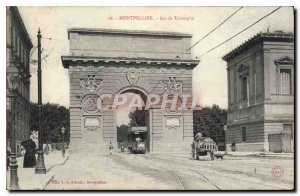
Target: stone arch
[
  {"x": 133, "y": 89},
  {"x": 146, "y": 62}
]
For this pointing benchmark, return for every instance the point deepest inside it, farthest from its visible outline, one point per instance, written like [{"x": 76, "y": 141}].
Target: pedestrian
[
  {"x": 29, "y": 157},
  {"x": 23, "y": 150},
  {"x": 46, "y": 150},
  {"x": 198, "y": 136},
  {"x": 233, "y": 147},
  {"x": 111, "y": 147},
  {"x": 138, "y": 139}
]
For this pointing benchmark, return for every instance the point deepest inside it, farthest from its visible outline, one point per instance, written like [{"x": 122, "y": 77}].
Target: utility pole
[{"x": 40, "y": 166}]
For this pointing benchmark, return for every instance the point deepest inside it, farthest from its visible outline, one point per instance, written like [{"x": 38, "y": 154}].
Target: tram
[{"x": 138, "y": 136}]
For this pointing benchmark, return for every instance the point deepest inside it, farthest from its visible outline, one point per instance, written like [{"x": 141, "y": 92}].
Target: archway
[
  {"x": 133, "y": 122},
  {"x": 112, "y": 62}
]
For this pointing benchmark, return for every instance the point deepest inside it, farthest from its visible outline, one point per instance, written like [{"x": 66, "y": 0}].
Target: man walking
[{"x": 111, "y": 147}]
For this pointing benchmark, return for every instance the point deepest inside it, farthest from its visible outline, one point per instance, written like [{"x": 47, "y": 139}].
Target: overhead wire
[
  {"x": 265, "y": 16},
  {"x": 215, "y": 28}
]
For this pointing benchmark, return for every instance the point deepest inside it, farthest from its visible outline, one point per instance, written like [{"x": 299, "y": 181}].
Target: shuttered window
[
  {"x": 15, "y": 41},
  {"x": 285, "y": 81},
  {"x": 244, "y": 88}
]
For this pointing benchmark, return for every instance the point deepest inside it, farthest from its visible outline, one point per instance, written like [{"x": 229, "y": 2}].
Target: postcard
[{"x": 150, "y": 98}]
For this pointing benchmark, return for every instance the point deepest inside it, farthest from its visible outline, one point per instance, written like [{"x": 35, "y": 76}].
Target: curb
[
  {"x": 67, "y": 158},
  {"x": 52, "y": 176},
  {"x": 261, "y": 156}
]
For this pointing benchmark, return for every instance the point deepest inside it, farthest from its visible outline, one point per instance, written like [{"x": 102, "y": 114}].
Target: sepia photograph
[{"x": 150, "y": 98}]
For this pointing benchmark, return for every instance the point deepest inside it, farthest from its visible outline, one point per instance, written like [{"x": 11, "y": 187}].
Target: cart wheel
[{"x": 212, "y": 156}]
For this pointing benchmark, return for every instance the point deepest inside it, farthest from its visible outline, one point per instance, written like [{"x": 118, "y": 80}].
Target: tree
[
  {"x": 54, "y": 118},
  {"x": 122, "y": 133},
  {"x": 210, "y": 122},
  {"x": 137, "y": 118}
]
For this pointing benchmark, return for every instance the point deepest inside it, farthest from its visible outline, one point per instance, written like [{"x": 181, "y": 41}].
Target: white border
[{"x": 111, "y": 3}]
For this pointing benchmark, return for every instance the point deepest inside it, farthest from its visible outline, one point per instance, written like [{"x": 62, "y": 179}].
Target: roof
[
  {"x": 276, "y": 36},
  {"x": 127, "y": 32}
]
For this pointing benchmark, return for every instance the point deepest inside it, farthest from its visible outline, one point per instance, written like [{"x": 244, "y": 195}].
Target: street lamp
[
  {"x": 40, "y": 165},
  {"x": 63, "y": 136},
  {"x": 13, "y": 81}
]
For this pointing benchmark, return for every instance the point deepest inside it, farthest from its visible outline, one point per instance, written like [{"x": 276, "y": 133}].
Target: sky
[{"x": 209, "y": 77}]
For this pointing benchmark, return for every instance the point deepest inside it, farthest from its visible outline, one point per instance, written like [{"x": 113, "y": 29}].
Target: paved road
[{"x": 179, "y": 172}]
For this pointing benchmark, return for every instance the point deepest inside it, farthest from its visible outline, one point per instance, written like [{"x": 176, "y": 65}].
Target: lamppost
[
  {"x": 40, "y": 166},
  {"x": 13, "y": 81},
  {"x": 63, "y": 137}
]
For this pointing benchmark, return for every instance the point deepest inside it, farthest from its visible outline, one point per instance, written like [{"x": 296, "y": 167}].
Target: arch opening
[{"x": 133, "y": 123}]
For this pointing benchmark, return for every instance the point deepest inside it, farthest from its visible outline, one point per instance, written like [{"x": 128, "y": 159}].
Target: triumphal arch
[{"x": 112, "y": 62}]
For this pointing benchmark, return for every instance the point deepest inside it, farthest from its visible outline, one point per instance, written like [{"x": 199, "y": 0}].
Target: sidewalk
[
  {"x": 259, "y": 154},
  {"x": 28, "y": 180}
]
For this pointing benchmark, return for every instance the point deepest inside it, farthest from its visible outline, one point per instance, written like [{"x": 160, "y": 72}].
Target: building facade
[
  {"x": 18, "y": 47},
  {"x": 260, "y": 76},
  {"x": 103, "y": 61}
]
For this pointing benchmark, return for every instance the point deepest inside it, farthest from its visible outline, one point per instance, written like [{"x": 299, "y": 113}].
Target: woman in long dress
[{"x": 29, "y": 157}]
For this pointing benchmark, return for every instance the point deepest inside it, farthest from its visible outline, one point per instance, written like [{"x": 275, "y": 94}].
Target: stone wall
[
  {"x": 134, "y": 44},
  {"x": 254, "y": 133}
]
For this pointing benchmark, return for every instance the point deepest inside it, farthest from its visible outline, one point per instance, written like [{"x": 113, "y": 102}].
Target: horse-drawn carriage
[{"x": 202, "y": 146}]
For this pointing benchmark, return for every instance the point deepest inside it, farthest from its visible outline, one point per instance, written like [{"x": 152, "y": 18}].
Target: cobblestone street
[{"x": 170, "y": 171}]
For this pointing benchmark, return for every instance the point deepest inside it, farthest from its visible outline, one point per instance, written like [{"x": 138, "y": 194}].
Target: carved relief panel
[
  {"x": 90, "y": 85},
  {"x": 92, "y": 123},
  {"x": 171, "y": 86},
  {"x": 89, "y": 104}
]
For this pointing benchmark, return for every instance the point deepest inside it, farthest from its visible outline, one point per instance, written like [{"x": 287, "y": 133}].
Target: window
[
  {"x": 24, "y": 58},
  {"x": 17, "y": 45},
  {"x": 21, "y": 53},
  {"x": 15, "y": 41},
  {"x": 12, "y": 36},
  {"x": 243, "y": 134},
  {"x": 19, "y": 48},
  {"x": 231, "y": 86},
  {"x": 288, "y": 129},
  {"x": 285, "y": 81},
  {"x": 244, "y": 88},
  {"x": 27, "y": 61}
]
